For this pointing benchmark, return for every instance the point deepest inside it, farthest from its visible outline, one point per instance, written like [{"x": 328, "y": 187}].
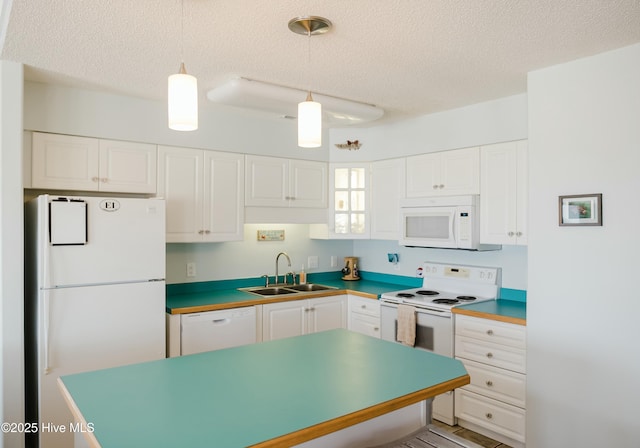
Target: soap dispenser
[{"x": 303, "y": 276}]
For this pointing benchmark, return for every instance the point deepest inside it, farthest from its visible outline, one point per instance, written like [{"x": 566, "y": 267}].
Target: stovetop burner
[
  {"x": 427, "y": 292},
  {"x": 445, "y": 301},
  {"x": 405, "y": 295},
  {"x": 466, "y": 298}
]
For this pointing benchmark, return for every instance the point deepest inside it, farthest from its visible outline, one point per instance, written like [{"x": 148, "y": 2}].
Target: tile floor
[{"x": 481, "y": 440}]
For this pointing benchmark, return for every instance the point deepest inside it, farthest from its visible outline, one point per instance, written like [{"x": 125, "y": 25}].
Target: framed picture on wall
[{"x": 580, "y": 210}]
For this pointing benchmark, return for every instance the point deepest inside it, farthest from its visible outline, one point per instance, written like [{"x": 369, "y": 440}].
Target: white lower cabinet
[
  {"x": 494, "y": 355},
  {"x": 364, "y": 316},
  {"x": 298, "y": 317}
]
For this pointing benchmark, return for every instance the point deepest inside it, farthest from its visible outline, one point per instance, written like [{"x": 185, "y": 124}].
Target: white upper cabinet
[
  {"x": 204, "y": 193},
  {"x": 348, "y": 215},
  {"x": 504, "y": 193},
  {"x": 387, "y": 188},
  {"x": 277, "y": 182},
  {"x": 445, "y": 173},
  {"x": 67, "y": 162},
  {"x": 127, "y": 167}
]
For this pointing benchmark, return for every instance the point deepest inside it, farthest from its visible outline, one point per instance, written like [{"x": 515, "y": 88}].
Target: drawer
[
  {"x": 499, "y": 384},
  {"x": 364, "y": 324},
  {"x": 489, "y": 330},
  {"x": 490, "y": 414},
  {"x": 361, "y": 305},
  {"x": 496, "y": 355}
]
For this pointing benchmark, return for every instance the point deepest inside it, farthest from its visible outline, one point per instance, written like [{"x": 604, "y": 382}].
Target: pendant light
[
  {"x": 309, "y": 111},
  {"x": 182, "y": 93}
]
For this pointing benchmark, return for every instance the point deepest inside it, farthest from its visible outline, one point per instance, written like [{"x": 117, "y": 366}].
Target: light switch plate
[{"x": 312, "y": 261}]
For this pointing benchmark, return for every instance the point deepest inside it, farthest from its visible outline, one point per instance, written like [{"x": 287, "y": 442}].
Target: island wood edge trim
[
  {"x": 89, "y": 437},
  {"x": 498, "y": 317},
  {"x": 265, "y": 300},
  {"x": 330, "y": 426}
]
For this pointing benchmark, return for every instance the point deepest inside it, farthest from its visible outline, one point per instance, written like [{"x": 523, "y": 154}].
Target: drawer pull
[
  {"x": 376, "y": 329},
  {"x": 489, "y": 355},
  {"x": 490, "y": 332},
  {"x": 489, "y": 383},
  {"x": 364, "y": 307},
  {"x": 489, "y": 415}
]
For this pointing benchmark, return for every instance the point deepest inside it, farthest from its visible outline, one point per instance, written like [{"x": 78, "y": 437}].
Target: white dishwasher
[{"x": 213, "y": 330}]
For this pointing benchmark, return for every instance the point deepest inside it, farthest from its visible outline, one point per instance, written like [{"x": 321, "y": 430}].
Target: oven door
[
  {"x": 434, "y": 329},
  {"x": 428, "y": 227}
]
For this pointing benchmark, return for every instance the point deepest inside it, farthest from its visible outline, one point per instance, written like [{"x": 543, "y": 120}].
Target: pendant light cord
[{"x": 182, "y": 31}]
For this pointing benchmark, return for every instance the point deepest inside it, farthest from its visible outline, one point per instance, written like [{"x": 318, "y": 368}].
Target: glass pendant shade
[
  {"x": 309, "y": 123},
  {"x": 183, "y": 101}
]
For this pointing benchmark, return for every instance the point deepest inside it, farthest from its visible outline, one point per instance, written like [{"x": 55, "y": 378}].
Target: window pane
[
  {"x": 357, "y": 223},
  {"x": 357, "y": 201},
  {"x": 357, "y": 178},
  {"x": 342, "y": 201},
  {"x": 342, "y": 177},
  {"x": 342, "y": 223}
]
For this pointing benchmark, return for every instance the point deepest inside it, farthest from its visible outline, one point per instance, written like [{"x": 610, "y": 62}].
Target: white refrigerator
[{"x": 95, "y": 296}]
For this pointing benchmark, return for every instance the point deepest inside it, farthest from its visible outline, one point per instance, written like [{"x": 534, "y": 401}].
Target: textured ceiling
[{"x": 410, "y": 57}]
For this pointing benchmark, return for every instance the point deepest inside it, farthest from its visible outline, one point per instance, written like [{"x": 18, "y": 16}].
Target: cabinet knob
[
  {"x": 490, "y": 332},
  {"x": 510, "y": 234},
  {"x": 364, "y": 307},
  {"x": 104, "y": 180},
  {"x": 489, "y": 383},
  {"x": 489, "y": 355},
  {"x": 95, "y": 179},
  {"x": 518, "y": 233},
  {"x": 207, "y": 232},
  {"x": 376, "y": 329},
  {"x": 489, "y": 415},
  {"x": 441, "y": 186},
  {"x": 435, "y": 187},
  {"x": 200, "y": 232}
]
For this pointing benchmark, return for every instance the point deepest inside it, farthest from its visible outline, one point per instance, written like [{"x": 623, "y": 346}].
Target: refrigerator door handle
[{"x": 45, "y": 312}]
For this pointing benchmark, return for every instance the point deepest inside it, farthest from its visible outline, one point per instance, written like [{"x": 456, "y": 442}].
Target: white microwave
[{"x": 449, "y": 222}]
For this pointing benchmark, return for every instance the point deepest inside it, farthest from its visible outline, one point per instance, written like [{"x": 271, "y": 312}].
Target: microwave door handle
[{"x": 452, "y": 226}]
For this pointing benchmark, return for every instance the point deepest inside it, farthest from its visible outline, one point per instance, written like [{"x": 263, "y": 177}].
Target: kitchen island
[{"x": 274, "y": 394}]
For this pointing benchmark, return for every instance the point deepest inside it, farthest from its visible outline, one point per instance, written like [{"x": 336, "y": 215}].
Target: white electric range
[{"x": 444, "y": 286}]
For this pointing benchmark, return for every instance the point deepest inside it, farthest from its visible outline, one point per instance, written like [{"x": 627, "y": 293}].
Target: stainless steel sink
[
  {"x": 286, "y": 289},
  {"x": 310, "y": 287},
  {"x": 271, "y": 291}
]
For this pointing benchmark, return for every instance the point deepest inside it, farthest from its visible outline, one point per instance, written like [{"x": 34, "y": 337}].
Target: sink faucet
[{"x": 288, "y": 260}]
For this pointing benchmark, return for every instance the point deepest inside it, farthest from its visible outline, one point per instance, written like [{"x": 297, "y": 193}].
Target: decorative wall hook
[{"x": 350, "y": 145}]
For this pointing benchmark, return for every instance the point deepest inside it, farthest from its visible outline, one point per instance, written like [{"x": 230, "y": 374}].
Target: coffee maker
[{"x": 350, "y": 269}]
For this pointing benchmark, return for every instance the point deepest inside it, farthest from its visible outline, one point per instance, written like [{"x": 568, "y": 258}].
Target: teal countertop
[
  {"x": 278, "y": 391},
  {"x": 503, "y": 310},
  {"x": 190, "y": 298}
]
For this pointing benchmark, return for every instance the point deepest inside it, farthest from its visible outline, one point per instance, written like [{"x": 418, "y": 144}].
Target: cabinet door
[
  {"x": 327, "y": 313},
  {"x": 267, "y": 181},
  {"x": 503, "y": 205},
  {"x": 445, "y": 173},
  {"x": 423, "y": 175},
  {"x": 180, "y": 183},
  {"x": 223, "y": 211},
  {"x": 387, "y": 188},
  {"x": 284, "y": 319},
  {"x": 308, "y": 184},
  {"x": 65, "y": 162},
  {"x": 460, "y": 172},
  {"x": 127, "y": 167}
]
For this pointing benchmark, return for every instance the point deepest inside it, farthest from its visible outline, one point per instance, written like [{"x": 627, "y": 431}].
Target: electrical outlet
[
  {"x": 191, "y": 269},
  {"x": 312, "y": 261},
  {"x": 334, "y": 261}
]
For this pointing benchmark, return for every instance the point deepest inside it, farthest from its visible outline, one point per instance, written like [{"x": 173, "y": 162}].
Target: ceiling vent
[{"x": 283, "y": 101}]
